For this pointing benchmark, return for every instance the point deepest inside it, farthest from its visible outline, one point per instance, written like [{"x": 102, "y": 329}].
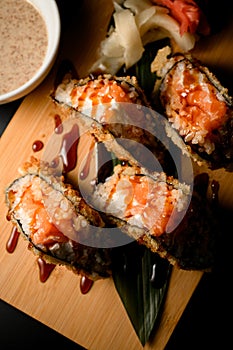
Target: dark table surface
[{"x": 205, "y": 324}]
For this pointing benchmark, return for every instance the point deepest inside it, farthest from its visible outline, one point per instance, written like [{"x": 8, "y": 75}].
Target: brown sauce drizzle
[
  {"x": 45, "y": 269},
  {"x": 37, "y": 146},
  {"x": 68, "y": 153},
  {"x": 85, "y": 284},
  {"x": 68, "y": 150},
  {"x": 8, "y": 216},
  {"x": 13, "y": 240},
  {"x": 58, "y": 124},
  {"x": 85, "y": 172}
]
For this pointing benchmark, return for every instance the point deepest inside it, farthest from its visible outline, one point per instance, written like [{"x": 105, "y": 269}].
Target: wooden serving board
[{"x": 98, "y": 319}]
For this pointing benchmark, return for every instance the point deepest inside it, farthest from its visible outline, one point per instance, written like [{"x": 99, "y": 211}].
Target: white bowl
[{"x": 50, "y": 13}]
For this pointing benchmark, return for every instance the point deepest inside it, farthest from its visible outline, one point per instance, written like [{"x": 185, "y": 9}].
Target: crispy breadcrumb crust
[
  {"x": 214, "y": 148},
  {"x": 92, "y": 266}
]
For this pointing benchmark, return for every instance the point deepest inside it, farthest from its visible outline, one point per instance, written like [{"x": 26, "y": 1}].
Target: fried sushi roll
[
  {"x": 197, "y": 106},
  {"x": 151, "y": 207},
  {"x": 117, "y": 104},
  {"x": 57, "y": 222},
  {"x": 162, "y": 214}
]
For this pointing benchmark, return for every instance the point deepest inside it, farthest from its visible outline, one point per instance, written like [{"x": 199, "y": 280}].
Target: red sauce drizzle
[
  {"x": 84, "y": 173},
  {"x": 13, "y": 240},
  {"x": 68, "y": 150},
  {"x": 37, "y": 146},
  {"x": 45, "y": 269},
  {"x": 85, "y": 284},
  {"x": 58, "y": 124},
  {"x": 8, "y": 216}
]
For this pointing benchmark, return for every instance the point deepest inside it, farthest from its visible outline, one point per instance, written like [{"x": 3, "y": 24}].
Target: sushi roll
[
  {"x": 56, "y": 221},
  {"x": 162, "y": 214},
  {"x": 152, "y": 207},
  {"x": 121, "y": 107},
  {"x": 197, "y": 106}
]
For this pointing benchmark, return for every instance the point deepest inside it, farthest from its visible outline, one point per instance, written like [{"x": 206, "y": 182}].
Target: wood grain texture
[{"x": 98, "y": 319}]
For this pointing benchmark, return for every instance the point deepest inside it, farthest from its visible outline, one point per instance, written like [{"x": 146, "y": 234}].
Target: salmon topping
[
  {"x": 200, "y": 109},
  {"x": 43, "y": 231},
  {"x": 153, "y": 202},
  {"x": 140, "y": 201},
  {"x": 193, "y": 105}
]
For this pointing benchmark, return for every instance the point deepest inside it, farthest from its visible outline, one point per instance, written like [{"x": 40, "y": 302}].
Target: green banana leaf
[
  {"x": 141, "y": 279},
  {"x": 142, "y": 69}
]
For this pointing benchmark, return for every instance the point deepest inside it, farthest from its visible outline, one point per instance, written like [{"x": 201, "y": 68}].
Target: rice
[
  {"x": 151, "y": 211},
  {"x": 47, "y": 214},
  {"x": 197, "y": 106}
]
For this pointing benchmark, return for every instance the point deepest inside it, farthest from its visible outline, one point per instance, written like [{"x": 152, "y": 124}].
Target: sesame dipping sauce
[{"x": 23, "y": 43}]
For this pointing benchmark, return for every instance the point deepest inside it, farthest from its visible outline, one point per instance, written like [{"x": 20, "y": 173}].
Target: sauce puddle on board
[
  {"x": 37, "y": 146},
  {"x": 24, "y": 43}
]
